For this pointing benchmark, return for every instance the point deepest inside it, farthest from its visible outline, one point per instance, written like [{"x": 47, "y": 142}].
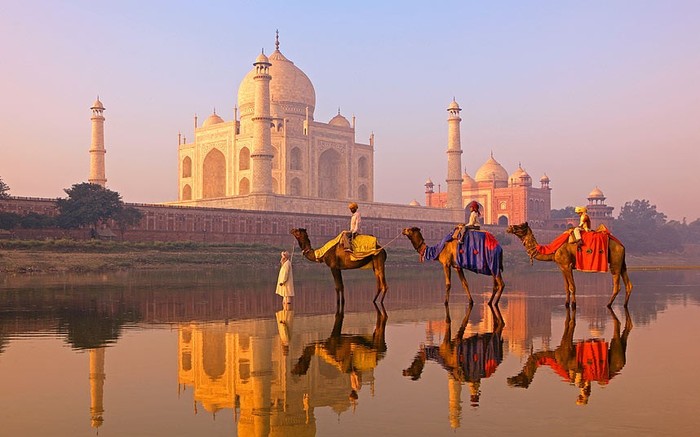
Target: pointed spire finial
[
  {"x": 277, "y": 39},
  {"x": 338, "y": 110}
]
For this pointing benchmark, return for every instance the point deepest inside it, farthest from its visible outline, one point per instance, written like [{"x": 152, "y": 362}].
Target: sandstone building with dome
[{"x": 503, "y": 199}]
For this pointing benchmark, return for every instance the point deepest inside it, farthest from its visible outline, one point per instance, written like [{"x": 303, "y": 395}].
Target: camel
[
  {"x": 580, "y": 362},
  {"x": 565, "y": 257},
  {"x": 337, "y": 259},
  {"x": 448, "y": 258}
]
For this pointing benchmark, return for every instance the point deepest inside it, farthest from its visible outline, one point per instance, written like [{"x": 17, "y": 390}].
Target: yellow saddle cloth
[{"x": 363, "y": 245}]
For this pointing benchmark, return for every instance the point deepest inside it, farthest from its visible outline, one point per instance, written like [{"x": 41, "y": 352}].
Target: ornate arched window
[
  {"x": 362, "y": 167},
  {"x": 186, "y": 167},
  {"x": 244, "y": 186},
  {"x": 186, "y": 192},
  {"x": 244, "y": 159}
]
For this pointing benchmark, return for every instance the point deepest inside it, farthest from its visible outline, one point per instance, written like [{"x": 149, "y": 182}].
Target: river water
[{"x": 212, "y": 352}]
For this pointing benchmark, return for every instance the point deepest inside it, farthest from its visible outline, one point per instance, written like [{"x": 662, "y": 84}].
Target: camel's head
[
  {"x": 300, "y": 234},
  {"x": 518, "y": 230},
  {"x": 410, "y": 231}
]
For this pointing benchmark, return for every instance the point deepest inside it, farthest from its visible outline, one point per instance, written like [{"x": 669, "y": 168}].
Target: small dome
[
  {"x": 491, "y": 170},
  {"x": 453, "y": 105},
  {"x": 212, "y": 119},
  {"x": 414, "y": 202},
  {"x": 429, "y": 182},
  {"x": 467, "y": 181},
  {"x": 97, "y": 104},
  {"x": 520, "y": 177},
  {"x": 262, "y": 58},
  {"x": 544, "y": 178},
  {"x": 596, "y": 194},
  {"x": 339, "y": 120}
]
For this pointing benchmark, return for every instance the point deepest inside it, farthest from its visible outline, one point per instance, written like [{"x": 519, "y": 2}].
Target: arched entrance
[
  {"x": 503, "y": 220},
  {"x": 214, "y": 175},
  {"x": 329, "y": 175}
]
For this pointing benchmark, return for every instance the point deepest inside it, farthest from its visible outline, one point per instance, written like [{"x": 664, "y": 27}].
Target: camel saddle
[{"x": 363, "y": 245}]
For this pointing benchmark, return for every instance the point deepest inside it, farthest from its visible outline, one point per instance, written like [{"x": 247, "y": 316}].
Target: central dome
[
  {"x": 491, "y": 171},
  {"x": 289, "y": 87}
]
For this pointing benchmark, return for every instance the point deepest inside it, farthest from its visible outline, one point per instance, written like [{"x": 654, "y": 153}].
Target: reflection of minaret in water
[{"x": 97, "y": 382}]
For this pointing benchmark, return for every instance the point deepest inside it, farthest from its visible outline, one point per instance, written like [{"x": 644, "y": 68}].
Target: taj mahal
[{"x": 274, "y": 156}]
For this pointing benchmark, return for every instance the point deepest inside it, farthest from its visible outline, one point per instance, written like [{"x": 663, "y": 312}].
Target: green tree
[
  {"x": 568, "y": 212},
  {"x": 9, "y": 220},
  {"x": 643, "y": 229},
  {"x": 641, "y": 213},
  {"x": 87, "y": 204},
  {"x": 4, "y": 190},
  {"x": 127, "y": 216}
]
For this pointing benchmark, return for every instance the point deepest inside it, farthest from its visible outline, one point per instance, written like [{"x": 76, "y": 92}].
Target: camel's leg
[
  {"x": 465, "y": 285},
  {"x": 628, "y": 285},
  {"x": 448, "y": 282},
  {"x": 616, "y": 288},
  {"x": 339, "y": 289},
  {"x": 498, "y": 286},
  {"x": 381, "y": 279},
  {"x": 570, "y": 285}
]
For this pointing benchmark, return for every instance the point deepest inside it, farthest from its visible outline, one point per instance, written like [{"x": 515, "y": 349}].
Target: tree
[
  {"x": 4, "y": 190},
  {"x": 568, "y": 212},
  {"x": 644, "y": 230},
  {"x": 87, "y": 204},
  {"x": 9, "y": 220},
  {"x": 127, "y": 216},
  {"x": 641, "y": 213}
]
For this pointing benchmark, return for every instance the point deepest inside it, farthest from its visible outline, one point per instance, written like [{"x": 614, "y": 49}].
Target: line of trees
[
  {"x": 639, "y": 225},
  {"x": 644, "y": 230},
  {"x": 86, "y": 207}
]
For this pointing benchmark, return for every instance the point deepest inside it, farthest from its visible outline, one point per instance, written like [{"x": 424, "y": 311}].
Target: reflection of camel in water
[
  {"x": 350, "y": 353},
  {"x": 466, "y": 359},
  {"x": 338, "y": 259},
  {"x": 448, "y": 258},
  {"x": 581, "y": 362},
  {"x": 565, "y": 256}
]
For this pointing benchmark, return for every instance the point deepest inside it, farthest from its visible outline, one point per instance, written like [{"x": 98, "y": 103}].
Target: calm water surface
[{"x": 214, "y": 353}]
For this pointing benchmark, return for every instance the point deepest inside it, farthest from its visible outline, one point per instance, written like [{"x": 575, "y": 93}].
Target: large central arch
[
  {"x": 214, "y": 175},
  {"x": 330, "y": 175}
]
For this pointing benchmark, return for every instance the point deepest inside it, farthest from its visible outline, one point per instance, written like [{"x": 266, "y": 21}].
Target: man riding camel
[
  {"x": 354, "y": 227},
  {"x": 583, "y": 224}
]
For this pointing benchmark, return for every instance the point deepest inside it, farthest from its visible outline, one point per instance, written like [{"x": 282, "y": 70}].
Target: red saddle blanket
[{"x": 593, "y": 256}]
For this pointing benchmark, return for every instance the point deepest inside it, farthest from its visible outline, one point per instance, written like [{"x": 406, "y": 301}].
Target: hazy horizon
[{"x": 595, "y": 94}]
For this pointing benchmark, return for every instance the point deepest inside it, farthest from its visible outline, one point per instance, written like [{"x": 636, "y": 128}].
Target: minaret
[
  {"x": 261, "y": 154},
  {"x": 454, "y": 157},
  {"x": 97, "y": 146}
]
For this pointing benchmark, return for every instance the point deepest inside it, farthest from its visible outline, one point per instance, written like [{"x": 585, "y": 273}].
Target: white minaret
[
  {"x": 97, "y": 146},
  {"x": 454, "y": 157},
  {"x": 261, "y": 154}
]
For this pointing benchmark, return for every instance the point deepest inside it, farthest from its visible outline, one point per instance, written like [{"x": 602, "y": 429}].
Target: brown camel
[
  {"x": 338, "y": 259},
  {"x": 448, "y": 258},
  {"x": 565, "y": 257}
]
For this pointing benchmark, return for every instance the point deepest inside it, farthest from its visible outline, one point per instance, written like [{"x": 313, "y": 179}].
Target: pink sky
[{"x": 593, "y": 94}]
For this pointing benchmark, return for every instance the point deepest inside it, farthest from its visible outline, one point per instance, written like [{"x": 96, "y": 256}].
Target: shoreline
[{"x": 96, "y": 257}]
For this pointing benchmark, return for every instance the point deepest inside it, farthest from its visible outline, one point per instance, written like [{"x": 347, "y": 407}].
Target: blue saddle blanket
[{"x": 477, "y": 251}]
